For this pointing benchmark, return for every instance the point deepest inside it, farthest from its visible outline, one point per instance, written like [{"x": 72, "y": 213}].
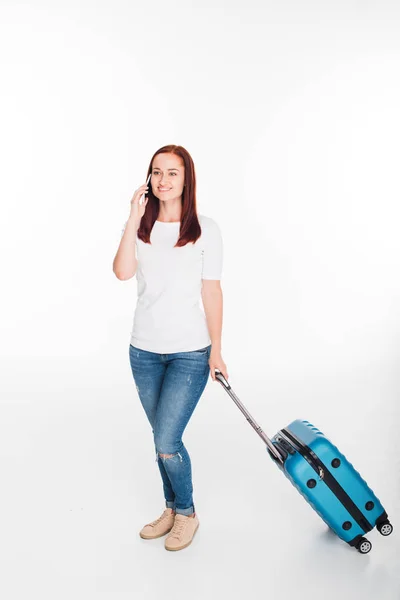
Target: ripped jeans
[{"x": 169, "y": 387}]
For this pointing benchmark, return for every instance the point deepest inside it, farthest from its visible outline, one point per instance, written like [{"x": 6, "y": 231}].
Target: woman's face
[{"x": 167, "y": 176}]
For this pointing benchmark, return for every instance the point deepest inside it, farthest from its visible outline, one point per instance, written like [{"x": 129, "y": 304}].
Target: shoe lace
[
  {"x": 178, "y": 527},
  {"x": 163, "y": 516}
]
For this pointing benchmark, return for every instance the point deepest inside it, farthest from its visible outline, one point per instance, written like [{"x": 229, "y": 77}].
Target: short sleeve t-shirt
[{"x": 168, "y": 317}]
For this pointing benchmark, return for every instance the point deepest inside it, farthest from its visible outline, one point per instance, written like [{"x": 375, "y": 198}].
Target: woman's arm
[
  {"x": 125, "y": 261},
  {"x": 211, "y": 295}
]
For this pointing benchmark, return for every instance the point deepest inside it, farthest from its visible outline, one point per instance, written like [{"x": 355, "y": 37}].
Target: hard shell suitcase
[{"x": 324, "y": 477}]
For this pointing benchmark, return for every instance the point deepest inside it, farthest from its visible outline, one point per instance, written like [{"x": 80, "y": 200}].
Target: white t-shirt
[{"x": 168, "y": 317}]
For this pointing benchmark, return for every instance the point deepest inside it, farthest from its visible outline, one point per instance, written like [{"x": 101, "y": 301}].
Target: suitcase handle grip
[{"x": 273, "y": 448}]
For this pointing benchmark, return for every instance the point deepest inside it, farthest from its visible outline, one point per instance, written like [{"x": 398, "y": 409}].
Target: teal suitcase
[{"x": 324, "y": 477}]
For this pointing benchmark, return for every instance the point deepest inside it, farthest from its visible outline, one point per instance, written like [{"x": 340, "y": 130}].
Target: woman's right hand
[{"x": 137, "y": 210}]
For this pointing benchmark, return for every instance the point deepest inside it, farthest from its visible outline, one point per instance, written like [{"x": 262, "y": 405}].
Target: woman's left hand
[{"x": 215, "y": 361}]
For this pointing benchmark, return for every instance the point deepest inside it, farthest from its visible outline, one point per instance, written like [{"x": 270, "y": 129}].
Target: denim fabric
[{"x": 169, "y": 387}]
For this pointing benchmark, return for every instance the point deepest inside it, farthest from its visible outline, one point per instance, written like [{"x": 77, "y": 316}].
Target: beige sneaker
[
  {"x": 182, "y": 533},
  {"x": 159, "y": 527}
]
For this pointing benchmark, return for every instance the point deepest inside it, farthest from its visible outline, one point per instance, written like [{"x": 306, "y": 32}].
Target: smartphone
[{"x": 141, "y": 199}]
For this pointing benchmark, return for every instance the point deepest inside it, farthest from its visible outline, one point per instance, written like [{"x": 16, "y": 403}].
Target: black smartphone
[{"x": 141, "y": 199}]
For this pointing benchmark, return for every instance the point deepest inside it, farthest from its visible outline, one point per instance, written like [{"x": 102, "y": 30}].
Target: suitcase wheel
[
  {"x": 385, "y": 528},
  {"x": 364, "y": 545}
]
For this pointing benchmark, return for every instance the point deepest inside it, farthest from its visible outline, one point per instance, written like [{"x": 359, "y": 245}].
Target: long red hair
[{"x": 190, "y": 229}]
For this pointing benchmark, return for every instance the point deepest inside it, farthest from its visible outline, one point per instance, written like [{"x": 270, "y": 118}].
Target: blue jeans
[{"x": 169, "y": 387}]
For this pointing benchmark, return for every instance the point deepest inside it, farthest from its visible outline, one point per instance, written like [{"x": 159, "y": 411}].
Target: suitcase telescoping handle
[{"x": 261, "y": 433}]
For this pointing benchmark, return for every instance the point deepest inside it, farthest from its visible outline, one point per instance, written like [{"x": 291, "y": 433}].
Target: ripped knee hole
[{"x": 169, "y": 455}]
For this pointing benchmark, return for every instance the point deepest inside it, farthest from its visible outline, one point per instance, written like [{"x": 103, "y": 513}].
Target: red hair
[{"x": 190, "y": 229}]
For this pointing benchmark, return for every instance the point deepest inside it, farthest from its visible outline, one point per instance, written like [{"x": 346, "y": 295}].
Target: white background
[{"x": 290, "y": 111}]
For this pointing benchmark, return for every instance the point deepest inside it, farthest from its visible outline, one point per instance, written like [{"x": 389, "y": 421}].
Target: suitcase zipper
[
  {"x": 310, "y": 457},
  {"x": 329, "y": 479}
]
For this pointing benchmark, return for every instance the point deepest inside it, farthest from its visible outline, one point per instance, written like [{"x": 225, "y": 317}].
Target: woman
[{"x": 174, "y": 344}]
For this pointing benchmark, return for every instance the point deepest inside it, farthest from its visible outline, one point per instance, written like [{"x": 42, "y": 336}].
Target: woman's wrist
[{"x": 134, "y": 221}]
